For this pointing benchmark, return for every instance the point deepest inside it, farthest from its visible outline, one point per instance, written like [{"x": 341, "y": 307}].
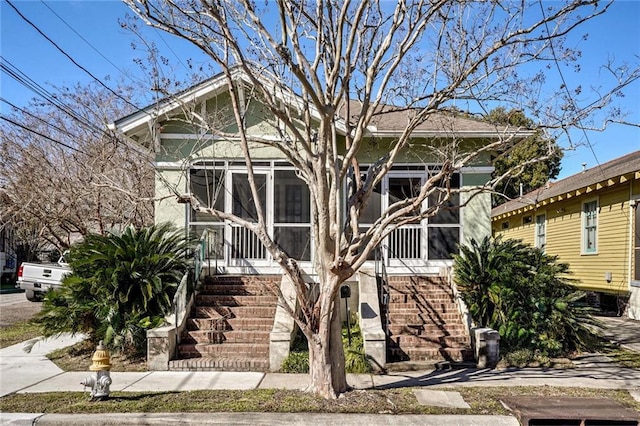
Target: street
[{"x": 15, "y": 307}]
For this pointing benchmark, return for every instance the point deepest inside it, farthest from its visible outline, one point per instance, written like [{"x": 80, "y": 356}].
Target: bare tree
[
  {"x": 349, "y": 64},
  {"x": 64, "y": 176}
]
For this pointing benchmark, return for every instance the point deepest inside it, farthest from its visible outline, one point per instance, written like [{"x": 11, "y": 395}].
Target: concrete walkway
[{"x": 22, "y": 372}]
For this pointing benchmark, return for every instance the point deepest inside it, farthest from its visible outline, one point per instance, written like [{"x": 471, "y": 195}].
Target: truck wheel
[{"x": 32, "y": 296}]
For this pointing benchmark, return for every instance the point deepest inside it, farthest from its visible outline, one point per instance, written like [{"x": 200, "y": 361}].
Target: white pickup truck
[{"x": 38, "y": 278}]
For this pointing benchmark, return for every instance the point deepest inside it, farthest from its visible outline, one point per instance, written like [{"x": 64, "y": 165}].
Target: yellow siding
[{"x": 564, "y": 237}]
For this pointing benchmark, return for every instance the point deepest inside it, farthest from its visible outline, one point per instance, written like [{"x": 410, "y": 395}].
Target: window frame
[
  {"x": 541, "y": 235},
  {"x": 584, "y": 250}
]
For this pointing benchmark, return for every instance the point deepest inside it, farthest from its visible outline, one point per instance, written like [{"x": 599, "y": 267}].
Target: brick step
[
  {"x": 408, "y": 317},
  {"x": 226, "y": 350},
  {"x": 235, "y": 300},
  {"x": 236, "y": 290},
  {"x": 423, "y": 297},
  {"x": 219, "y": 364},
  {"x": 226, "y": 336},
  {"x": 450, "y": 329},
  {"x": 265, "y": 324},
  {"x": 236, "y": 311},
  {"x": 429, "y": 354},
  {"x": 256, "y": 281},
  {"x": 436, "y": 306},
  {"x": 418, "y": 288},
  {"x": 411, "y": 340}
]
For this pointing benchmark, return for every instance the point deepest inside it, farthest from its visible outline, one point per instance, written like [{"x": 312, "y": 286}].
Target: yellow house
[{"x": 591, "y": 221}]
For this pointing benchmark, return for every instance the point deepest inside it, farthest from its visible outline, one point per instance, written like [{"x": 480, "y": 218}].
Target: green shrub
[
  {"x": 296, "y": 362},
  {"x": 526, "y": 295},
  {"x": 121, "y": 286},
  {"x": 356, "y": 360}
]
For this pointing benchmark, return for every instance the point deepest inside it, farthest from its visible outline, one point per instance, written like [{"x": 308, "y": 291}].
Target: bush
[
  {"x": 526, "y": 295},
  {"x": 121, "y": 286},
  {"x": 356, "y": 360}
]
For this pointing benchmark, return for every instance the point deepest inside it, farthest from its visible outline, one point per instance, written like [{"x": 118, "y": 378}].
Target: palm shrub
[
  {"x": 121, "y": 285},
  {"x": 525, "y": 294}
]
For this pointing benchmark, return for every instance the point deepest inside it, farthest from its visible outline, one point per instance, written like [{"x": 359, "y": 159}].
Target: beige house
[{"x": 591, "y": 221}]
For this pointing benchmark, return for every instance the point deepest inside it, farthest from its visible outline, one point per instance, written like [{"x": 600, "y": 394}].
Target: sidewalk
[{"x": 22, "y": 372}]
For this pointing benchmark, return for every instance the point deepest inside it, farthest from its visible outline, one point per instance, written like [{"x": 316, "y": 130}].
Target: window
[
  {"x": 636, "y": 211},
  {"x": 292, "y": 214},
  {"x": 284, "y": 200},
  {"x": 526, "y": 220},
  {"x": 505, "y": 225},
  {"x": 589, "y": 227},
  {"x": 541, "y": 231},
  {"x": 443, "y": 236}
]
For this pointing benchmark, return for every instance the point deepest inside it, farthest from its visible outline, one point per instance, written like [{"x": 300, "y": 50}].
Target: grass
[
  {"x": 624, "y": 357},
  {"x": 78, "y": 358},
  {"x": 18, "y": 332},
  {"x": 483, "y": 400}
]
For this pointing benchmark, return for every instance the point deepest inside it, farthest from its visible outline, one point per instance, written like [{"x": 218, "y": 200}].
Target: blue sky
[{"x": 615, "y": 35}]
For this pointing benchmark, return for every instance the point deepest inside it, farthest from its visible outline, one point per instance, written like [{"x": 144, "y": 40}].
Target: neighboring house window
[
  {"x": 505, "y": 225},
  {"x": 527, "y": 220},
  {"x": 589, "y": 226},
  {"x": 637, "y": 244},
  {"x": 541, "y": 231}
]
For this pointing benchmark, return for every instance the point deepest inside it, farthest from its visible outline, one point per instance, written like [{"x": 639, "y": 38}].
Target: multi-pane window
[
  {"x": 435, "y": 238},
  {"x": 292, "y": 215},
  {"x": 541, "y": 231},
  {"x": 589, "y": 226},
  {"x": 637, "y": 243},
  {"x": 443, "y": 236},
  {"x": 284, "y": 201}
]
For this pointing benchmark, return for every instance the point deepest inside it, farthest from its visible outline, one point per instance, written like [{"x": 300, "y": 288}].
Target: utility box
[{"x": 486, "y": 344}]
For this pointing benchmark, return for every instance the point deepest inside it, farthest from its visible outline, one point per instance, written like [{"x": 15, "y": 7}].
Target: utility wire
[
  {"x": 29, "y": 83},
  {"x": 131, "y": 77},
  {"x": 566, "y": 88},
  {"x": 24, "y": 111},
  {"x": 2, "y": 117},
  {"x": 69, "y": 56}
]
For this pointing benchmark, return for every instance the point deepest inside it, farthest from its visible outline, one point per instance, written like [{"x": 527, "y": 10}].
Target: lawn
[{"x": 483, "y": 400}]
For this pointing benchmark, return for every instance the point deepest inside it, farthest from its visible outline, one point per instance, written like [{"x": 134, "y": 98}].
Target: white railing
[
  {"x": 180, "y": 300},
  {"x": 245, "y": 245},
  {"x": 406, "y": 243}
]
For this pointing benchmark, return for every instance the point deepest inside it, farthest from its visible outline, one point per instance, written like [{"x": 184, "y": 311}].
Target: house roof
[
  {"x": 388, "y": 120},
  {"x": 608, "y": 174}
]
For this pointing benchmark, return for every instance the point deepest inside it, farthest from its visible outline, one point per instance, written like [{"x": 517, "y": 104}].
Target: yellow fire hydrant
[{"x": 100, "y": 382}]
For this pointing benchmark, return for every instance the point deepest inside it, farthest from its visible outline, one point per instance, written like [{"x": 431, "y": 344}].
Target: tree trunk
[{"x": 326, "y": 359}]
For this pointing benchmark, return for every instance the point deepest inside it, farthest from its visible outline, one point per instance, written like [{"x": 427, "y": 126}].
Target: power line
[
  {"x": 2, "y": 117},
  {"x": 69, "y": 56},
  {"x": 566, "y": 88},
  {"x": 24, "y": 111},
  {"x": 133, "y": 78},
  {"x": 30, "y": 84}
]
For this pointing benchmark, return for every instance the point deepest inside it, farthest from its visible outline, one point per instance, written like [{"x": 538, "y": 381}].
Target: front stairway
[
  {"x": 424, "y": 321},
  {"x": 229, "y": 325}
]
